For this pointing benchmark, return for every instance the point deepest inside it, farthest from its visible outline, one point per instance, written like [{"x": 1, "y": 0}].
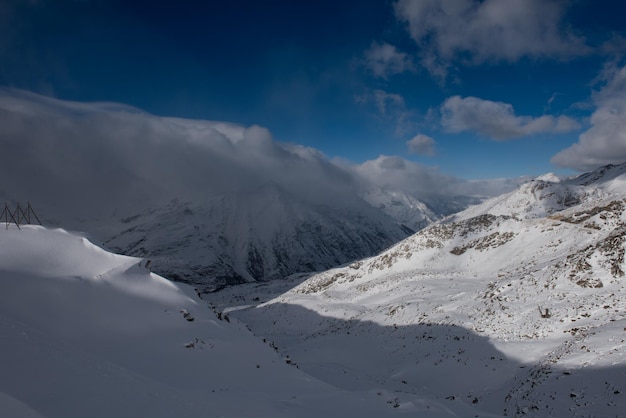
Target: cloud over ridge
[{"x": 113, "y": 158}]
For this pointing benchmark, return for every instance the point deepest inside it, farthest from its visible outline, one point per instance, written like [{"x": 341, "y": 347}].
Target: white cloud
[
  {"x": 491, "y": 30},
  {"x": 497, "y": 120},
  {"x": 605, "y": 141},
  {"x": 384, "y": 60},
  {"x": 553, "y": 98},
  {"x": 93, "y": 160},
  {"x": 389, "y": 104},
  {"x": 390, "y": 107},
  {"x": 421, "y": 144},
  {"x": 397, "y": 173},
  {"x": 426, "y": 183},
  {"x": 565, "y": 124}
]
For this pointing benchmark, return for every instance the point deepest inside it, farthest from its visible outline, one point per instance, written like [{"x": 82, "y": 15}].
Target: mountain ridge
[{"x": 539, "y": 272}]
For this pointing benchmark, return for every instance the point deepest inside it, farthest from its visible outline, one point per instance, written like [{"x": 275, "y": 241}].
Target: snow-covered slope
[
  {"x": 403, "y": 207},
  {"x": 258, "y": 234},
  {"x": 548, "y": 194},
  {"x": 86, "y": 333},
  {"x": 513, "y": 307},
  {"x": 266, "y": 232}
]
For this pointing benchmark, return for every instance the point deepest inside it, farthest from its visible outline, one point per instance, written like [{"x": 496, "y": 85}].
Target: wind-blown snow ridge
[{"x": 533, "y": 282}]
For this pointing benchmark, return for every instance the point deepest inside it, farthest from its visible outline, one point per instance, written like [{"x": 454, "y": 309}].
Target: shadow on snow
[{"x": 445, "y": 362}]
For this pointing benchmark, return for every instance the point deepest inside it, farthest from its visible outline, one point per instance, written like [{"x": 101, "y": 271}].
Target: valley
[{"x": 507, "y": 308}]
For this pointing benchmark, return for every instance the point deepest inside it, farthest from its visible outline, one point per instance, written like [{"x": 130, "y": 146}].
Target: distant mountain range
[{"x": 267, "y": 233}]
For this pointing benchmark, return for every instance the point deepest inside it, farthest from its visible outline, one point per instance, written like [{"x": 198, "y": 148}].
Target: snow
[
  {"x": 12, "y": 407},
  {"x": 514, "y": 307},
  {"x": 549, "y": 177},
  {"x": 84, "y": 332},
  {"x": 402, "y": 207},
  {"x": 262, "y": 233}
]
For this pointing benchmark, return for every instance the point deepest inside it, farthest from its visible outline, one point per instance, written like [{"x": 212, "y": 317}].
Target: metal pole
[
  {"x": 6, "y": 217},
  {"x": 30, "y": 210},
  {"x": 9, "y": 213},
  {"x": 24, "y": 214}
]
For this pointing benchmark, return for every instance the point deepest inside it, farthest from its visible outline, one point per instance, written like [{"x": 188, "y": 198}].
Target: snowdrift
[{"x": 87, "y": 333}]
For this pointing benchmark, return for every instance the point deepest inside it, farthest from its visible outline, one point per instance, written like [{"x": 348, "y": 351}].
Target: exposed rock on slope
[{"x": 538, "y": 272}]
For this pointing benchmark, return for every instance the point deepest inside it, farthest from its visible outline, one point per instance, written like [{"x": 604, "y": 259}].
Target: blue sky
[{"x": 478, "y": 89}]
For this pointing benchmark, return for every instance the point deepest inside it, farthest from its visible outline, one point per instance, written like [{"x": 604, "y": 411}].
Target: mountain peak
[
  {"x": 600, "y": 175},
  {"x": 550, "y": 177}
]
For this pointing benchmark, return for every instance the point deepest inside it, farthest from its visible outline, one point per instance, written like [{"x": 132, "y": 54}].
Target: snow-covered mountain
[
  {"x": 416, "y": 214},
  {"x": 211, "y": 203},
  {"x": 513, "y": 307},
  {"x": 549, "y": 194},
  {"x": 87, "y": 333},
  {"x": 266, "y": 232},
  {"x": 261, "y": 234}
]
